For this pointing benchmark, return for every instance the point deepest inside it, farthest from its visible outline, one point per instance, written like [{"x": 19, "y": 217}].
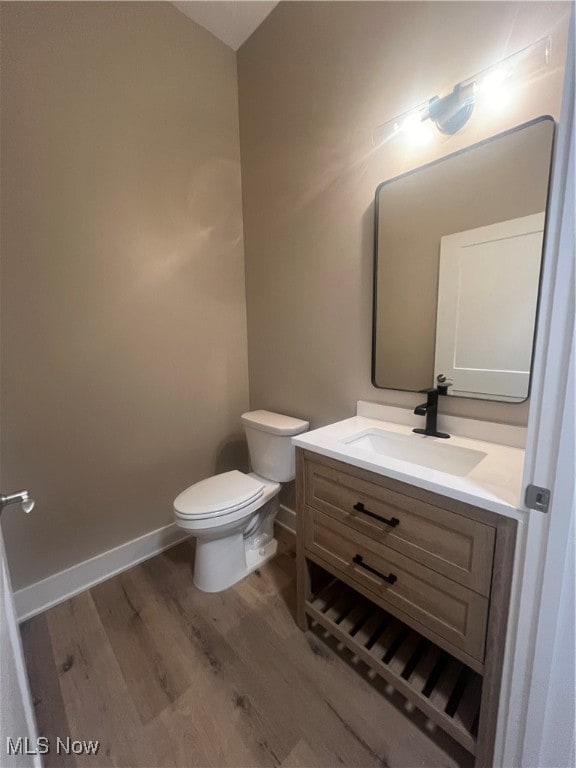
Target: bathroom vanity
[
  {"x": 409, "y": 565},
  {"x": 406, "y": 541}
]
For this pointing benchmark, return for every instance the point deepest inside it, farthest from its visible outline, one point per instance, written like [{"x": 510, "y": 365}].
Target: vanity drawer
[
  {"x": 451, "y": 544},
  {"x": 449, "y": 610}
]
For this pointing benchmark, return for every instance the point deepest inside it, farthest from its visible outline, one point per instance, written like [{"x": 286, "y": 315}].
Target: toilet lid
[{"x": 218, "y": 495}]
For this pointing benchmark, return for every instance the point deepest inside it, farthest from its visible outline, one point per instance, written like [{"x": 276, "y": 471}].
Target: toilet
[{"x": 232, "y": 514}]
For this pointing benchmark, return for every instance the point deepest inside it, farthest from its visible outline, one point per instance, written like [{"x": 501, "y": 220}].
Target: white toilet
[{"x": 232, "y": 514}]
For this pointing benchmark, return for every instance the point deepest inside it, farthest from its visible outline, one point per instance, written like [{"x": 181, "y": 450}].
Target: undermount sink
[{"x": 424, "y": 451}]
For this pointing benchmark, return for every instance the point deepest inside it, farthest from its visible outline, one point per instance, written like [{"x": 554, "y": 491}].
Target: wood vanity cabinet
[{"x": 413, "y": 583}]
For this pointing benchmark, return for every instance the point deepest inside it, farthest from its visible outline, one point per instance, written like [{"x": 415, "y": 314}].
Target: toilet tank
[{"x": 269, "y": 437}]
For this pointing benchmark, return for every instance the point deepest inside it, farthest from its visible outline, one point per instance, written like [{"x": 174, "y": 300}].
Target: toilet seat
[{"x": 218, "y": 495}]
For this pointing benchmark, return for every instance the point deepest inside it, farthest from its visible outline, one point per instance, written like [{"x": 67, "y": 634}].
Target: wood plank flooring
[{"x": 165, "y": 675}]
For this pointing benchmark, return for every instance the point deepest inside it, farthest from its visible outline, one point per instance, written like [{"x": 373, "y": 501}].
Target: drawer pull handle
[
  {"x": 392, "y": 522},
  {"x": 358, "y": 560}
]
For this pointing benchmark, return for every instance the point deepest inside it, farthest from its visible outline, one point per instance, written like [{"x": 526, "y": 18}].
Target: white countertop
[{"x": 494, "y": 484}]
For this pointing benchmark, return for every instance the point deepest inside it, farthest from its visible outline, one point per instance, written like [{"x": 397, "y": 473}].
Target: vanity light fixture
[{"x": 451, "y": 112}]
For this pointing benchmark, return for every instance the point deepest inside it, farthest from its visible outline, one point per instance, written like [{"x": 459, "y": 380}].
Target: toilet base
[
  {"x": 255, "y": 558},
  {"x": 221, "y": 563}
]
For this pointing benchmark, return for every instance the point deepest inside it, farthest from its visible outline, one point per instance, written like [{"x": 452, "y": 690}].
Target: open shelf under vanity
[{"x": 447, "y": 691}]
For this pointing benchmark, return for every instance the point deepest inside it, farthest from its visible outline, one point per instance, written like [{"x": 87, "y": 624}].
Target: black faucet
[{"x": 430, "y": 410}]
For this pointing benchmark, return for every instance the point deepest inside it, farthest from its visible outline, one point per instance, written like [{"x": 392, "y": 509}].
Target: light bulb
[
  {"x": 493, "y": 91},
  {"x": 418, "y": 132},
  {"x": 494, "y": 80}
]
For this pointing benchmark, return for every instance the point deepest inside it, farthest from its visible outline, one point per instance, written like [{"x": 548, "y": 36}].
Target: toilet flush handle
[{"x": 21, "y": 497}]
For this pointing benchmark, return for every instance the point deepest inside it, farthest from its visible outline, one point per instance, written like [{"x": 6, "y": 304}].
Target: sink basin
[{"x": 416, "y": 449}]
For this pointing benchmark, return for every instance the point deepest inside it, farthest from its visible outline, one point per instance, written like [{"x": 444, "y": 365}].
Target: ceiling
[{"x": 231, "y": 21}]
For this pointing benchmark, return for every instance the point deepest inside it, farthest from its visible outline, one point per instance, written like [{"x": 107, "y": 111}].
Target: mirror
[{"x": 458, "y": 251}]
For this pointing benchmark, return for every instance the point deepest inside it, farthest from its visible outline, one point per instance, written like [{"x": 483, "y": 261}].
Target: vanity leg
[
  {"x": 504, "y": 548},
  {"x": 303, "y": 589}
]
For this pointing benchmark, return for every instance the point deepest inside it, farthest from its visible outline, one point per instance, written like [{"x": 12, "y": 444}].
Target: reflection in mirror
[
  {"x": 458, "y": 250},
  {"x": 472, "y": 353}
]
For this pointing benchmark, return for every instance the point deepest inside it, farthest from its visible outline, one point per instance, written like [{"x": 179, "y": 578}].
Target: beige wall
[
  {"x": 123, "y": 307},
  {"x": 314, "y": 81}
]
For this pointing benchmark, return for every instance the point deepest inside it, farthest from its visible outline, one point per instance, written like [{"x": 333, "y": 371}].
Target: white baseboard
[
  {"x": 38, "y": 597},
  {"x": 55, "y": 589},
  {"x": 287, "y": 518}
]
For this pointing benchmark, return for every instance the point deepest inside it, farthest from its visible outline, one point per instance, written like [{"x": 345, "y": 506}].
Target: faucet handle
[{"x": 443, "y": 383}]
